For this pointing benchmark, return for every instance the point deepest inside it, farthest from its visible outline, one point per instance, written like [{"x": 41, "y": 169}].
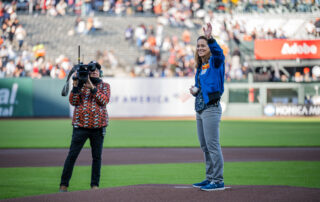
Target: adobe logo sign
[
  {"x": 286, "y": 49},
  {"x": 296, "y": 49}
]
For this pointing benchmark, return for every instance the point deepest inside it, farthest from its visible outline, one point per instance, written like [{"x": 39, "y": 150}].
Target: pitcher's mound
[{"x": 183, "y": 193}]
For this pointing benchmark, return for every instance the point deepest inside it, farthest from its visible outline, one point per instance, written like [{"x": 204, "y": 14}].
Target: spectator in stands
[
  {"x": 159, "y": 34},
  {"x": 39, "y": 51},
  {"x": 90, "y": 29},
  {"x": 245, "y": 70},
  {"x": 86, "y": 7},
  {"x": 140, "y": 34},
  {"x": 317, "y": 25},
  {"x": 2, "y": 72},
  {"x": 35, "y": 74},
  {"x": 298, "y": 77},
  {"x": 128, "y": 34},
  {"x": 310, "y": 29},
  {"x": 235, "y": 71},
  {"x": 90, "y": 120},
  {"x": 80, "y": 25},
  {"x": 167, "y": 44},
  {"x": 19, "y": 71},
  {"x": 186, "y": 37},
  {"x": 11, "y": 30},
  {"x": 4, "y": 54},
  {"x": 280, "y": 34},
  {"x": 263, "y": 75},
  {"x": 140, "y": 66},
  {"x": 119, "y": 8},
  {"x": 307, "y": 100},
  {"x": 10, "y": 68},
  {"x": 51, "y": 8},
  {"x": 61, "y": 7},
  {"x": 20, "y": 35},
  {"x": 209, "y": 86},
  {"x": 284, "y": 78},
  {"x": 306, "y": 74}
]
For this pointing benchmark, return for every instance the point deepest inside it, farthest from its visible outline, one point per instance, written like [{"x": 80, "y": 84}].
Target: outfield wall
[
  {"x": 167, "y": 97},
  {"x": 26, "y": 97}
]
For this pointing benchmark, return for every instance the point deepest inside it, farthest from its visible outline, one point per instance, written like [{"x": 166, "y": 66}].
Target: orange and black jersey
[{"x": 90, "y": 106}]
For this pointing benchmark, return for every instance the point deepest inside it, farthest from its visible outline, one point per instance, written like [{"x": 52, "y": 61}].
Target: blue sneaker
[
  {"x": 201, "y": 184},
  {"x": 213, "y": 187}
]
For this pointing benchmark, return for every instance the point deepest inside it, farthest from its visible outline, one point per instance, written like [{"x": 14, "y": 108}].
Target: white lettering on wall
[
  {"x": 298, "y": 110},
  {"x": 8, "y": 98},
  {"x": 298, "y": 49}
]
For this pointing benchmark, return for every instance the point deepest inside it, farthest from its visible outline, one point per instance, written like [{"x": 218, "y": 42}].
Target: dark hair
[
  {"x": 202, "y": 37},
  {"x": 198, "y": 59}
]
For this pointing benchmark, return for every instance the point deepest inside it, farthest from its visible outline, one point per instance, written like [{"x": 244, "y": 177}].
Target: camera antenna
[{"x": 79, "y": 54}]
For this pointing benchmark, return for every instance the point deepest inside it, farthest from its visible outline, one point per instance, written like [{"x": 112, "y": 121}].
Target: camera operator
[{"x": 90, "y": 119}]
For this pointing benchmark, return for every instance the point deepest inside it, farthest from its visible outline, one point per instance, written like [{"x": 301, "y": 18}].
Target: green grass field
[
  {"x": 137, "y": 133},
  {"x": 18, "y": 182}
]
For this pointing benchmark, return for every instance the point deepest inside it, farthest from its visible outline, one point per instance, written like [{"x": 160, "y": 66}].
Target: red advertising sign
[{"x": 286, "y": 49}]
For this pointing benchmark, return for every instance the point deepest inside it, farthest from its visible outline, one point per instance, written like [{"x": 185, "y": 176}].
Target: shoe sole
[
  {"x": 63, "y": 191},
  {"x": 216, "y": 189},
  {"x": 196, "y": 186}
]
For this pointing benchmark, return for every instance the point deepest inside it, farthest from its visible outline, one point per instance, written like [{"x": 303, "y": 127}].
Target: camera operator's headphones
[{"x": 97, "y": 65}]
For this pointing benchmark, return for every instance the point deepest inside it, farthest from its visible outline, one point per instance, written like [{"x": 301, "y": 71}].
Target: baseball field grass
[
  {"x": 18, "y": 182},
  {"x": 53, "y": 133},
  {"x": 56, "y": 133}
]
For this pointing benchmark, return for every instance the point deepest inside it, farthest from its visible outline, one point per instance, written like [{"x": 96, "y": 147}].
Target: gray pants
[{"x": 208, "y": 122}]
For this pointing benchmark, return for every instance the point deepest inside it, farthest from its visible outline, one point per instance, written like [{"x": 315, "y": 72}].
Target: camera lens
[{"x": 92, "y": 67}]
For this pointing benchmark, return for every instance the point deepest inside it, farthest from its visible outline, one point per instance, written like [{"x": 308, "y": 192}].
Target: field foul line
[{"x": 190, "y": 187}]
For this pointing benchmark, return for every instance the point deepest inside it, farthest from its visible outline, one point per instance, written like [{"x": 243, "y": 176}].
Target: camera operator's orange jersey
[{"x": 90, "y": 107}]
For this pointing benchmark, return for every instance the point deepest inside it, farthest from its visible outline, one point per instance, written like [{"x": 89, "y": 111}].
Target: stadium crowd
[
  {"x": 17, "y": 58},
  {"x": 159, "y": 55},
  {"x": 159, "y": 7}
]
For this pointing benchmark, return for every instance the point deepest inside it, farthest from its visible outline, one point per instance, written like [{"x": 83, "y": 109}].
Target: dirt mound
[{"x": 184, "y": 193}]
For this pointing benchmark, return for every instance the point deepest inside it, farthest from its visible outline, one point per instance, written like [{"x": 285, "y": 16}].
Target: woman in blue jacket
[{"x": 208, "y": 89}]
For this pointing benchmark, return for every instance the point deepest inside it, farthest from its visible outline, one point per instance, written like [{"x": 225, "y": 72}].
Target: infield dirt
[{"x": 157, "y": 193}]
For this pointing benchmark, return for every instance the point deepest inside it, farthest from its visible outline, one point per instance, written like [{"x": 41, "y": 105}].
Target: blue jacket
[{"x": 212, "y": 79}]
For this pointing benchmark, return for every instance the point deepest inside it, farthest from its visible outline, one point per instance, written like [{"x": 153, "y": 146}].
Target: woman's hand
[
  {"x": 75, "y": 83},
  {"x": 75, "y": 80},
  {"x": 207, "y": 32},
  {"x": 193, "y": 90},
  {"x": 89, "y": 84}
]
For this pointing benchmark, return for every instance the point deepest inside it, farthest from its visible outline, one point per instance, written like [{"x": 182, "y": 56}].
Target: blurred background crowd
[{"x": 161, "y": 47}]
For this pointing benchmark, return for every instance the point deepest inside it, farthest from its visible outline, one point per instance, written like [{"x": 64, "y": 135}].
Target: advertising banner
[
  {"x": 16, "y": 97},
  {"x": 278, "y": 49},
  {"x": 47, "y": 99},
  {"x": 139, "y": 97},
  {"x": 292, "y": 110}
]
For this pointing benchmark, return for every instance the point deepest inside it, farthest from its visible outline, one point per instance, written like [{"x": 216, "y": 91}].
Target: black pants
[{"x": 79, "y": 137}]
